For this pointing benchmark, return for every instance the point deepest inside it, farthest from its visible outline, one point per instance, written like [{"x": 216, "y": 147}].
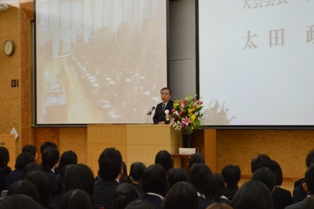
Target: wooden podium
[{"x": 7, "y": 140}]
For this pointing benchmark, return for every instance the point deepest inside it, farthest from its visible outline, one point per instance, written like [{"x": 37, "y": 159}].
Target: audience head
[
  {"x": 46, "y": 145},
  {"x": 136, "y": 172},
  {"x": 79, "y": 176},
  {"x": 67, "y": 158},
  {"x": 278, "y": 173},
  {"x": 4, "y": 157},
  {"x": 252, "y": 194},
  {"x": 266, "y": 176},
  {"x": 139, "y": 204},
  {"x": 110, "y": 164},
  {"x": 219, "y": 187},
  {"x": 176, "y": 175},
  {"x": 219, "y": 206},
  {"x": 164, "y": 159},
  {"x": 155, "y": 180},
  {"x": 196, "y": 158},
  {"x": 76, "y": 198},
  {"x": 50, "y": 158},
  {"x": 19, "y": 201},
  {"x": 309, "y": 158},
  {"x": 231, "y": 174},
  {"x": 308, "y": 184},
  {"x": 23, "y": 159},
  {"x": 31, "y": 167},
  {"x": 31, "y": 149},
  {"x": 124, "y": 175},
  {"x": 262, "y": 160},
  {"x": 41, "y": 182},
  {"x": 124, "y": 194},
  {"x": 24, "y": 187},
  {"x": 182, "y": 195},
  {"x": 201, "y": 177}
]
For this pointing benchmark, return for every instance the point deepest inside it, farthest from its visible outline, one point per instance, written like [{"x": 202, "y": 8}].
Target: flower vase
[{"x": 187, "y": 140}]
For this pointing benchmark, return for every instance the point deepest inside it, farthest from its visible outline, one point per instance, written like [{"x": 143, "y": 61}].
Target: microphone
[{"x": 150, "y": 112}]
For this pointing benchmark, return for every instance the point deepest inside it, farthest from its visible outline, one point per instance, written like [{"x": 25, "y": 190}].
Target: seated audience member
[
  {"x": 201, "y": 177},
  {"x": 110, "y": 170},
  {"x": 155, "y": 185},
  {"x": 4, "y": 169},
  {"x": 309, "y": 203},
  {"x": 139, "y": 204},
  {"x": 298, "y": 193},
  {"x": 124, "y": 194},
  {"x": 262, "y": 160},
  {"x": 75, "y": 176},
  {"x": 164, "y": 159},
  {"x": 67, "y": 158},
  {"x": 124, "y": 175},
  {"x": 196, "y": 158},
  {"x": 50, "y": 158},
  {"x": 46, "y": 145},
  {"x": 308, "y": 186},
  {"x": 281, "y": 197},
  {"x": 176, "y": 175},
  {"x": 76, "y": 198},
  {"x": 19, "y": 201},
  {"x": 24, "y": 187},
  {"x": 266, "y": 176},
  {"x": 22, "y": 160},
  {"x": 219, "y": 189},
  {"x": 252, "y": 194},
  {"x": 31, "y": 167},
  {"x": 136, "y": 173},
  {"x": 219, "y": 206},
  {"x": 182, "y": 195},
  {"x": 40, "y": 180},
  {"x": 232, "y": 175},
  {"x": 31, "y": 149}
]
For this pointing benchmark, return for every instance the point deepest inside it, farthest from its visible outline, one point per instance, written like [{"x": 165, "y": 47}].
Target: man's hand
[{"x": 161, "y": 122}]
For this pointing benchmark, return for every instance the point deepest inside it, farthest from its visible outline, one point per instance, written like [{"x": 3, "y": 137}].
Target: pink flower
[
  {"x": 173, "y": 110},
  {"x": 172, "y": 121},
  {"x": 201, "y": 102},
  {"x": 182, "y": 105},
  {"x": 186, "y": 121}
]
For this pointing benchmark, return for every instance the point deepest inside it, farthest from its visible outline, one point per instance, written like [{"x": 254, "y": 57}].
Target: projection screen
[
  {"x": 256, "y": 63},
  {"x": 99, "y": 61}
]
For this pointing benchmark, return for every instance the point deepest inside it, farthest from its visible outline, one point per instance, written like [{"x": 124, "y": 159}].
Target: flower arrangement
[{"x": 186, "y": 114}]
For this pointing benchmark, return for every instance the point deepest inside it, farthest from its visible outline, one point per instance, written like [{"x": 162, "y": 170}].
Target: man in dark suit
[{"x": 164, "y": 107}]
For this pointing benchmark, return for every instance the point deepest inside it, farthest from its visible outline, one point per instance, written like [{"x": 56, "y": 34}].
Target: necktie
[{"x": 163, "y": 106}]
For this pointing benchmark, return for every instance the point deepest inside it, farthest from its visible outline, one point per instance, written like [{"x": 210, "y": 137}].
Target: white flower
[{"x": 166, "y": 112}]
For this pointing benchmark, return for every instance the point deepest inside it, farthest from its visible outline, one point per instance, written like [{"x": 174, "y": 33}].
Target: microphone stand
[{"x": 148, "y": 116}]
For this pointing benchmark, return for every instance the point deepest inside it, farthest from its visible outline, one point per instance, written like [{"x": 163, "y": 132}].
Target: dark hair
[
  {"x": 219, "y": 187},
  {"x": 166, "y": 88},
  {"x": 231, "y": 174},
  {"x": 50, "y": 157},
  {"x": 79, "y": 176},
  {"x": 19, "y": 201},
  {"x": 139, "y": 204},
  {"x": 23, "y": 159},
  {"x": 266, "y": 176},
  {"x": 182, "y": 195},
  {"x": 278, "y": 173},
  {"x": 46, "y": 145},
  {"x": 262, "y": 160},
  {"x": 176, "y": 175},
  {"x": 155, "y": 180},
  {"x": 201, "y": 176},
  {"x": 219, "y": 206},
  {"x": 76, "y": 198},
  {"x": 196, "y": 158},
  {"x": 309, "y": 179},
  {"x": 67, "y": 158},
  {"x": 124, "y": 176},
  {"x": 309, "y": 158},
  {"x": 41, "y": 181},
  {"x": 136, "y": 171},
  {"x": 164, "y": 159},
  {"x": 252, "y": 194},
  {"x": 24, "y": 187},
  {"x": 30, "y": 148},
  {"x": 309, "y": 203},
  {"x": 4, "y": 157},
  {"x": 32, "y": 167},
  {"x": 110, "y": 162},
  {"x": 124, "y": 194}
]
